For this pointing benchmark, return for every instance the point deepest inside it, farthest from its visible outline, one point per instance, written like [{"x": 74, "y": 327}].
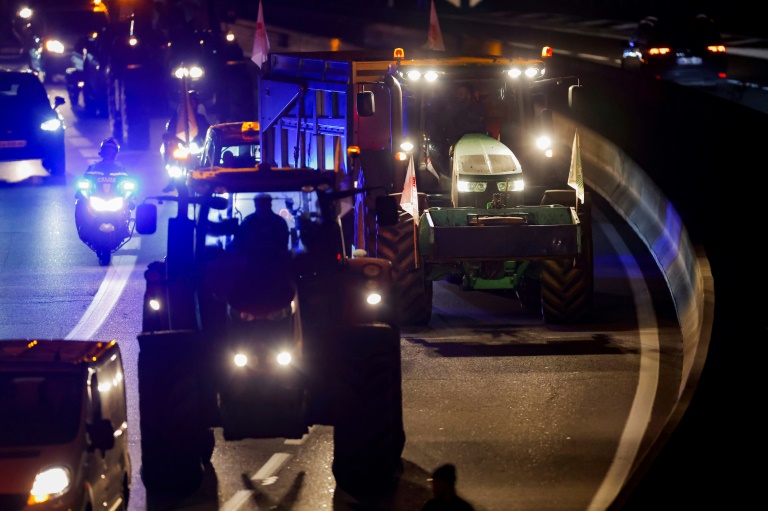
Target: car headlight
[
  {"x": 195, "y": 72},
  {"x": 373, "y": 298},
  {"x": 54, "y": 46},
  {"x": 471, "y": 186},
  {"x": 51, "y": 125},
  {"x": 49, "y": 483},
  {"x": 111, "y": 205}
]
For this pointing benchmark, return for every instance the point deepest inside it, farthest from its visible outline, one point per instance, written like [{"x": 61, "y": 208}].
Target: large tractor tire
[
  {"x": 175, "y": 438},
  {"x": 369, "y": 435},
  {"x": 567, "y": 285},
  {"x": 396, "y": 244}
]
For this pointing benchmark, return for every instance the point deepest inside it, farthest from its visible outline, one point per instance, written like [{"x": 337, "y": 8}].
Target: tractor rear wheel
[
  {"x": 396, "y": 244},
  {"x": 567, "y": 285}
]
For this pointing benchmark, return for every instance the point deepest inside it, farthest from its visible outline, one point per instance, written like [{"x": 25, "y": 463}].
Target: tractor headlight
[
  {"x": 516, "y": 185},
  {"x": 544, "y": 142},
  {"x": 49, "y": 483},
  {"x": 471, "y": 186}
]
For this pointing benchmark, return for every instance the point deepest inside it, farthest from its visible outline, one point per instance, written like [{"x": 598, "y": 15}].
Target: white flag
[
  {"x": 186, "y": 121},
  {"x": 576, "y": 175},
  {"x": 409, "y": 200},
  {"x": 435, "y": 37},
  {"x": 260, "y": 41}
]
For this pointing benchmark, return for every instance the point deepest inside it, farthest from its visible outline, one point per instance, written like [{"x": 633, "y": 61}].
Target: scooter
[{"x": 103, "y": 213}]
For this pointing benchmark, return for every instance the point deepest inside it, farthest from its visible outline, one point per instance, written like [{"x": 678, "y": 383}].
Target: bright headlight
[
  {"x": 83, "y": 184},
  {"x": 54, "y": 46},
  {"x": 373, "y": 299},
  {"x": 51, "y": 125},
  {"x": 471, "y": 186},
  {"x": 174, "y": 171},
  {"x": 514, "y": 72},
  {"x": 195, "y": 72},
  {"x": 194, "y": 148},
  {"x": 543, "y": 142},
  {"x": 154, "y": 304},
  {"x": 531, "y": 72},
  {"x": 240, "y": 360},
  {"x": 49, "y": 483},
  {"x": 112, "y": 205},
  {"x": 430, "y": 76},
  {"x": 516, "y": 185},
  {"x": 413, "y": 74},
  {"x": 284, "y": 358},
  {"x": 180, "y": 72}
]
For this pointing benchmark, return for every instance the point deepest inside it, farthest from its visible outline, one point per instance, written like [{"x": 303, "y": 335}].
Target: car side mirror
[
  {"x": 366, "y": 106},
  {"x": 102, "y": 434},
  {"x": 58, "y": 101},
  {"x": 146, "y": 218},
  {"x": 386, "y": 210}
]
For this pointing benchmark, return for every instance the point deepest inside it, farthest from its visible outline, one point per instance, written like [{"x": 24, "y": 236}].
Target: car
[
  {"x": 685, "y": 50},
  {"x": 62, "y": 30},
  {"x": 30, "y": 127},
  {"x": 232, "y": 145},
  {"x": 64, "y": 426}
]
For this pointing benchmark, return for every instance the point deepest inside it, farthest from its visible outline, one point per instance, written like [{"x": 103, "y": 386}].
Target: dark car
[
  {"x": 687, "y": 50},
  {"x": 30, "y": 128},
  {"x": 61, "y": 29}
]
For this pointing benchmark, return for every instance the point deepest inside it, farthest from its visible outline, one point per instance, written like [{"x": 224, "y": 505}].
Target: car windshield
[{"x": 39, "y": 408}]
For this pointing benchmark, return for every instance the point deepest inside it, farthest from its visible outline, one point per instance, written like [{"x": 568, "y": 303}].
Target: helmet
[{"x": 110, "y": 142}]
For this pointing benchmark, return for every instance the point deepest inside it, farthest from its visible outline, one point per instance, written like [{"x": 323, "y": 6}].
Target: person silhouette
[{"x": 444, "y": 496}]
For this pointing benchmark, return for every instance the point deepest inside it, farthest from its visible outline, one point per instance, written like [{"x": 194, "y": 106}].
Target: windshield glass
[
  {"x": 446, "y": 110},
  {"x": 39, "y": 408}
]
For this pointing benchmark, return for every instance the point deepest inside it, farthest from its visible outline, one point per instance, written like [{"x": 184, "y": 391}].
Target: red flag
[
  {"x": 260, "y": 41},
  {"x": 435, "y": 37},
  {"x": 409, "y": 200}
]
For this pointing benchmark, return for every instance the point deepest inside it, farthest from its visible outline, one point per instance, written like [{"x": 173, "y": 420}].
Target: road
[{"x": 534, "y": 417}]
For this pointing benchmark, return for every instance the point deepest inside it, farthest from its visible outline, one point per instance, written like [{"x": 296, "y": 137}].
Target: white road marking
[
  {"x": 109, "y": 292},
  {"x": 265, "y": 476},
  {"x": 237, "y": 500},
  {"x": 271, "y": 467},
  {"x": 648, "y": 379}
]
